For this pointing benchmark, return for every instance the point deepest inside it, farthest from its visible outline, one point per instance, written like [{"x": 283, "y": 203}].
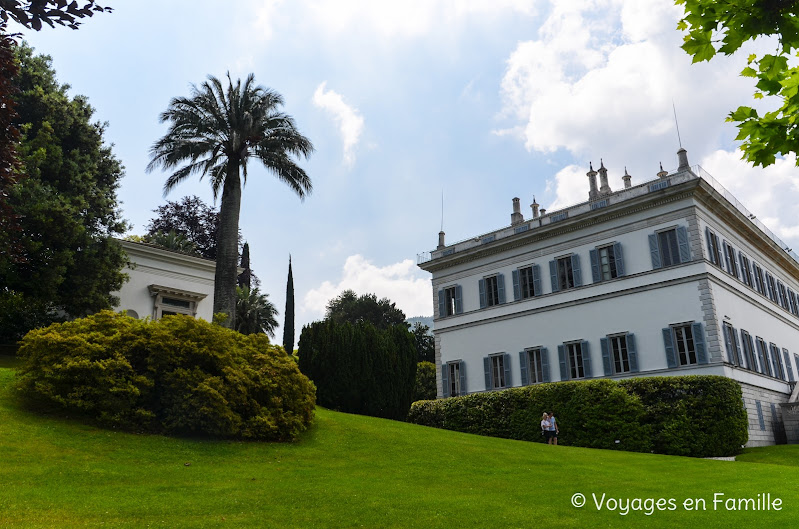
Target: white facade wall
[
  {"x": 153, "y": 266},
  {"x": 642, "y": 302}
]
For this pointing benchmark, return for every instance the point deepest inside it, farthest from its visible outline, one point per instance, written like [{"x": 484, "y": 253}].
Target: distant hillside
[{"x": 424, "y": 320}]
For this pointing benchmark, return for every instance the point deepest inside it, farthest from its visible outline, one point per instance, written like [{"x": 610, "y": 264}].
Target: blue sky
[{"x": 484, "y": 100}]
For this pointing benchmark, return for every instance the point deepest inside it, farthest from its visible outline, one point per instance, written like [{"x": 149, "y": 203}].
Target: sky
[{"x": 405, "y": 101}]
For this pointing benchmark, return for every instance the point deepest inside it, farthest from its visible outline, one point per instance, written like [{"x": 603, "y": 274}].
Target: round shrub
[
  {"x": 178, "y": 375},
  {"x": 425, "y": 388}
]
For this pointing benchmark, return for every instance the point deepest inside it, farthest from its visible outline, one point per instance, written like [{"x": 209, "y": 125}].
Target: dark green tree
[
  {"x": 190, "y": 217},
  {"x": 288, "y": 317},
  {"x": 214, "y": 133},
  {"x": 254, "y": 312},
  {"x": 349, "y": 307},
  {"x": 244, "y": 278},
  {"x": 32, "y": 13},
  {"x": 358, "y": 368},
  {"x": 714, "y": 26},
  {"x": 10, "y": 249},
  {"x": 172, "y": 241},
  {"x": 425, "y": 388},
  {"x": 67, "y": 203},
  {"x": 425, "y": 343}
]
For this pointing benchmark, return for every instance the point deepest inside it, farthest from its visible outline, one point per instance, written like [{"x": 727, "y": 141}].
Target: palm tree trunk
[{"x": 227, "y": 245}]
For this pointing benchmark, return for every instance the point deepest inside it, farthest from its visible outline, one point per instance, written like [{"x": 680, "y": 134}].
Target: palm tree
[
  {"x": 254, "y": 312},
  {"x": 215, "y": 132}
]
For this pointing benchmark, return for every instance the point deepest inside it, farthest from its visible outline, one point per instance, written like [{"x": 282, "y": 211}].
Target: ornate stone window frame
[{"x": 165, "y": 298}]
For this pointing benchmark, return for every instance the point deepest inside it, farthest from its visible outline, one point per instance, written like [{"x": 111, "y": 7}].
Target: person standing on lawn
[
  {"x": 545, "y": 424},
  {"x": 553, "y": 429}
]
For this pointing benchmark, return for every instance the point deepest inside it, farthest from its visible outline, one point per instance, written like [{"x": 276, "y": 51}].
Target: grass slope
[{"x": 353, "y": 471}]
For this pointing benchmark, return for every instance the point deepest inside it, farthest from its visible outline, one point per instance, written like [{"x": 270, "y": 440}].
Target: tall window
[
  {"x": 792, "y": 302},
  {"x": 760, "y": 281},
  {"x": 526, "y": 283},
  {"x": 454, "y": 369},
  {"x": 729, "y": 258},
  {"x": 449, "y": 301},
  {"x": 763, "y": 356},
  {"x": 498, "y": 370},
  {"x": 620, "y": 358},
  {"x": 779, "y": 371},
  {"x": 607, "y": 263},
  {"x": 684, "y": 345},
  {"x": 783, "y": 295},
  {"x": 565, "y": 273},
  {"x": 492, "y": 291},
  {"x": 748, "y": 350},
  {"x": 746, "y": 271},
  {"x": 731, "y": 341},
  {"x": 574, "y": 357},
  {"x": 772, "y": 287},
  {"x": 669, "y": 248},
  {"x": 713, "y": 249},
  {"x": 536, "y": 366}
]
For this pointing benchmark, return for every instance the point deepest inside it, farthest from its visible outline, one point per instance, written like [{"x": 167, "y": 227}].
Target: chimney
[
  {"x": 593, "y": 193},
  {"x": 543, "y": 212},
  {"x": 682, "y": 156},
  {"x": 662, "y": 173},
  {"x": 440, "y": 240},
  {"x": 516, "y": 217},
  {"x": 534, "y": 205},
  {"x": 604, "y": 188},
  {"x": 627, "y": 179}
]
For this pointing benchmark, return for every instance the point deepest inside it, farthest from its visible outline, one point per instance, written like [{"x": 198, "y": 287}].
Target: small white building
[
  {"x": 165, "y": 282},
  {"x": 670, "y": 277}
]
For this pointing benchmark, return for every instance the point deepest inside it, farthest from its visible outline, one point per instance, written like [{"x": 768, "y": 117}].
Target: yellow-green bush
[{"x": 177, "y": 375}]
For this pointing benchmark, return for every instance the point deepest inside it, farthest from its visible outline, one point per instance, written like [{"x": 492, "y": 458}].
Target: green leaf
[
  {"x": 699, "y": 46},
  {"x": 742, "y": 113},
  {"x": 748, "y": 72},
  {"x": 751, "y": 58},
  {"x": 682, "y": 25}
]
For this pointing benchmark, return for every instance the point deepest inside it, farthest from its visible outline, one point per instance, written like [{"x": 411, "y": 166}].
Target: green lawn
[{"x": 353, "y": 471}]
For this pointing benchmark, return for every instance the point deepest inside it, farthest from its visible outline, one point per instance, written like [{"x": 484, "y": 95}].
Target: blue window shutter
[
  {"x": 632, "y": 353},
  {"x": 481, "y": 285},
  {"x": 711, "y": 254},
  {"x": 682, "y": 243},
  {"x": 668, "y": 341},
  {"x": 553, "y": 274},
  {"x": 523, "y": 361},
  {"x": 441, "y": 309},
  {"x": 487, "y": 367},
  {"x": 775, "y": 358},
  {"x": 699, "y": 343},
  {"x": 445, "y": 380},
  {"x": 728, "y": 343},
  {"x": 594, "y": 256},
  {"x": 501, "y": 288},
  {"x": 458, "y": 299},
  {"x": 545, "y": 364},
  {"x": 462, "y": 372},
  {"x": 618, "y": 257},
  {"x": 508, "y": 379},
  {"x": 564, "y": 369},
  {"x": 738, "y": 356},
  {"x": 517, "y": 289},
  {"x": 761, "y": 357},
  {"x": 725, "y": 246},
  {"x": 760, "y": 415},
  {"x": 654, "y": 250},
  {"x": 586, "y": 350},
  {"x": 577, "y": 272},
  {"x": 537, "y": 280},
  {"x": 741, "y": 266},
  {"x": 605, "y": 346},
  {"x": 788, "y": 366}
]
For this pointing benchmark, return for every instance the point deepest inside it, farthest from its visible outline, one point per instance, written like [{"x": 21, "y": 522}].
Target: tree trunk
[{"x": 227, "y": 245}]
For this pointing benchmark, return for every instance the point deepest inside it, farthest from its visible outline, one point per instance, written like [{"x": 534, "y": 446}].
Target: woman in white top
[{"x": 545, "y": 426}]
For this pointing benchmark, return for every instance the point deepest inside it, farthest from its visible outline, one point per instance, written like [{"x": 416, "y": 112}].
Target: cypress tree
[
  {"x": 288, "y": 322},
  {"x": 245, "y": 278}
]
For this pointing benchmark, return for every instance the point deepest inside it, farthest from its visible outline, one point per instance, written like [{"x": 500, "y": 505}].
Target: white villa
[
  {"x": 165, "y": 282},
  {"x": 670, "y": 277}
]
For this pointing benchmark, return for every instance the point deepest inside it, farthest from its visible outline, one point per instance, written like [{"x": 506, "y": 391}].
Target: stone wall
[{"x": 773, "y": 430}]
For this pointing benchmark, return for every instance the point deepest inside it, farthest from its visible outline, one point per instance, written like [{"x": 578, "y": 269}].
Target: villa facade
[
  {"x": 163, "y": 282},
  {"x": 670, "y": 277}
]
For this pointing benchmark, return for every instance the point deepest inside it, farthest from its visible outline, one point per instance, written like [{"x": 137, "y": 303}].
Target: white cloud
[
  {"x": 350, "y": 122},
  {"x": 399, "y": 282}
]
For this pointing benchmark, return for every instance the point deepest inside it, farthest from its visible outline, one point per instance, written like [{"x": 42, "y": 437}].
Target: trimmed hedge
[
  {"x": 358, "y": 368},
  {"x": 178, "y": 375},
  {"x": 696, "y": 416}
]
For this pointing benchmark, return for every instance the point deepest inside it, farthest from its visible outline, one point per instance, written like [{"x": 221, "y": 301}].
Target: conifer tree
[
  {"x": 288, "y": 323},
  {"x": 245, "y": 278}
]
